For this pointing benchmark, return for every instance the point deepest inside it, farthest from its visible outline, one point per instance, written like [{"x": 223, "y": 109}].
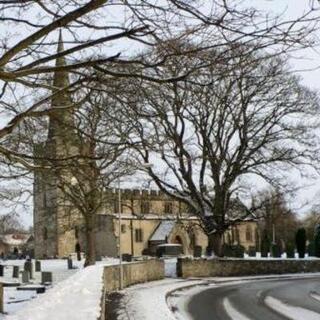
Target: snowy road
[{"x": 259, "y": 300}]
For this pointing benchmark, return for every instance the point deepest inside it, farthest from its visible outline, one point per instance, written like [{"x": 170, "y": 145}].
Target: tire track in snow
[
  {"x": 289, "y": 311},
  {"x": 315, "y": 296},
  {"x": 233, "y": 313}
]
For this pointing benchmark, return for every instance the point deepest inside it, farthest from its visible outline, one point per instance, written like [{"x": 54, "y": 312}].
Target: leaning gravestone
[
  {"x": 46, "y": 277},
  {"x": 38, "y": 266},
  {"x": 25, "y": 276},
  {"x": 70, "y": 263},
  {"x": 15, "y": 272},
  {"x": 1, "y": 270}
]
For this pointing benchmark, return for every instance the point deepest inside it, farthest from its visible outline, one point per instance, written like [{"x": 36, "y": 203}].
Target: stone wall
[
  {"x": 187, "y": 268},
  {"x": 133, "y": 273}
]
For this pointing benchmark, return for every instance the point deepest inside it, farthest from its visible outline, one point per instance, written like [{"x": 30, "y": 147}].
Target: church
[{"x": 148, "y": 218}]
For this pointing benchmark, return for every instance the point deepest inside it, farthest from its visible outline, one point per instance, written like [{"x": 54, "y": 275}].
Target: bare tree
[
  {"x": 225, "y": 124},
  {"x": 98, "y": 44},
  {"x": 100, "y": 158},
  {"x": 276, "y": 219}
]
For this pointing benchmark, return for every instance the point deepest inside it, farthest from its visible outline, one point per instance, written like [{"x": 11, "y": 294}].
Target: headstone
[
  {"x": 37, "y": 288},
  {"x": 70, "y": 263},
  {"x": 78, "y": 251},
  {"x": 98, "y": 257},
  {"x": 252, "y": 251},
  {"x": 1, "y": 270},
  {"x": 46, "y": 277},
  {"x": 127, "y": 257},
  {"x": 28, "y": 267},
  {"x": 1, "y": 298},
  {"x": 38, "y": 266},
  {"x": 15, "y": 272},
  {"x": 197, "y": 251},
  {"x": 25, "y": 276}
]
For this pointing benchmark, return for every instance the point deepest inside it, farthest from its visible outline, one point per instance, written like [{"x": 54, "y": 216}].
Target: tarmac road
[{"x": 246, "y": 301}]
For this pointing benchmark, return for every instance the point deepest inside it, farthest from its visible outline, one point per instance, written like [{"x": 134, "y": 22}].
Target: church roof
[{"x": 163, "y": 231}]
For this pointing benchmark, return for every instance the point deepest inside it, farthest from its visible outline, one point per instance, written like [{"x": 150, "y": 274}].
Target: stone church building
[{"x": 148, "y": 218}]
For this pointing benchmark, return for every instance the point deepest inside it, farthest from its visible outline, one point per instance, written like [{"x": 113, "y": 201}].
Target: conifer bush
[
  {"x": 290, "y": 250},
  {"x": 301, "y": 239},
  {"x": 317, "y": 241}
]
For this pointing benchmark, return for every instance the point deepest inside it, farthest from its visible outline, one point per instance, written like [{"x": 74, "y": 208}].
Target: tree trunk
[
  {"x": 215, "y": 244},
  {"x": 91, "y": 242}
]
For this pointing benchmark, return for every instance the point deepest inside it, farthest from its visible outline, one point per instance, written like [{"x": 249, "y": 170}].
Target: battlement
[{"x": 148, "y": 194}]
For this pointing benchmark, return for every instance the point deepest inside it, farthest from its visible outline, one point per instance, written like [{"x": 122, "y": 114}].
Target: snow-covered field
[{"x": 73, "y": 295}]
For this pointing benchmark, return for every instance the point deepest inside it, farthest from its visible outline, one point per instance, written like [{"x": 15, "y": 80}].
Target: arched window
[
  {"x": 248, "y": 234},
  {"x": 229, "y": 241},
  {"x": 45, "y": 233},
  {"x": 76, "y": 232},
  {"x": 237, "y": 235}
]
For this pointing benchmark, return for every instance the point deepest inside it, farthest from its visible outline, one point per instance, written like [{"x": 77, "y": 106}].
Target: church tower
[{"x": 54, "y": 218}]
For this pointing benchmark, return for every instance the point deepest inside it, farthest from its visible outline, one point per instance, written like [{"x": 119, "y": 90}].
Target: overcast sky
[{"x": 308, "y": 61}]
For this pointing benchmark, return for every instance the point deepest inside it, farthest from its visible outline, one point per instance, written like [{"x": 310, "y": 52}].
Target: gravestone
[
  {"x": 46, "y": 277},
  {"x": 197, "y": 251},
  {"x": 98, "y": 257},
  {"x": 70, "y": 263},
  {"x": 252, "y": 251},
  {"x": 1, "y": 270},
  {"x": 38, "y": 266},
  {"x": 1, "y": 298},
  {"x": 25, "y": 276},
  {"x": 125, "y": 257},
  {"x": 15, "y": 272},
  {"x": 33, "y": 287},
  {"x": 28, "y": 266}
]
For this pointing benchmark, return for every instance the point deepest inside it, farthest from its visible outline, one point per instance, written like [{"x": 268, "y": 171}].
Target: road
[{"x": 259, "y": 300}]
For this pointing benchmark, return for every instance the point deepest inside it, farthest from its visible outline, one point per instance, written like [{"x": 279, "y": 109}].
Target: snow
[
  {"x": 232, "y": 312},
  {"x": 315, "y": 296},
  {"x": 75, "y": 294},
  {"x": 148, "y": 301},
  {"x": 163, "y": 231},
  {"x": 289, "y": 311},
  {"x": 170, "y": 267},
  {"x": 167, "y": 299}
]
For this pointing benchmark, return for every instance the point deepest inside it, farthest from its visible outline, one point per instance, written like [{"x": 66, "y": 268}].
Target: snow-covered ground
[
  {"x": 289, "y": 311},
  {"x": 165, "y": 299},
  {"x": 73, "y": 295}
]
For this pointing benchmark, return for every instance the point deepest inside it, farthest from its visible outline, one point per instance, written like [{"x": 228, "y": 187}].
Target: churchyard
[{"x": 19, "y": 291}]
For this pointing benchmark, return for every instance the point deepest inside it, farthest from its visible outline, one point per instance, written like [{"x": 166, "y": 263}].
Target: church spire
[
  {"x": 61, "y": 121},
  {"x": 60, "y": 78}
]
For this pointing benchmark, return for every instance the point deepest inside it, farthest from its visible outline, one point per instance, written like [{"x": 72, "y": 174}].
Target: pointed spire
[
  {"x": 61, "y": 78},
  {"x": 61, "y": 120}
]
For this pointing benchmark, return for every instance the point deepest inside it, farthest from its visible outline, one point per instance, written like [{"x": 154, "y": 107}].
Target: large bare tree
[
  {"x": 101, "y": 39},
  {"x": 208, "y": 133}
]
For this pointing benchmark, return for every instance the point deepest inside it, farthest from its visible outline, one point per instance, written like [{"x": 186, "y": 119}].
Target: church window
[
  {"x": 45, "y": 233},
  {"x": 168, "y": 207},
  {"x": 123, "y": 228},
  {"x": 76, "y": 232},
  {"x": 145, "y": 207},
  {"x": 139, "y": 235},
  {"x": 248, "y": 234},
  {"x": 237, "y": 235}
]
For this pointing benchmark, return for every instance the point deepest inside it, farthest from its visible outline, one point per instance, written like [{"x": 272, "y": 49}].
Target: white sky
[{"x": 307, "y": 60}]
